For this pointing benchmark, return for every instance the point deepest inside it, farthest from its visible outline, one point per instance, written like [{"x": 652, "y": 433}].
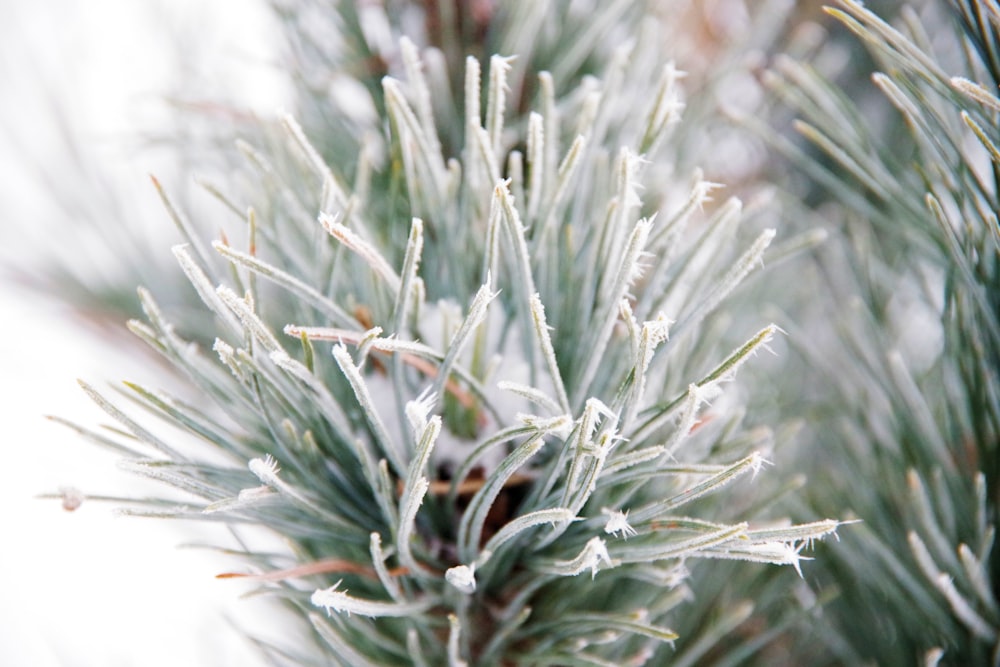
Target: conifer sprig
[{"x": 463, "y": 327}]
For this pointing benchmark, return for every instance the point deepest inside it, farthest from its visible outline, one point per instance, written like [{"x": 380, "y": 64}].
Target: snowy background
[{"x": 88, "y": 588}]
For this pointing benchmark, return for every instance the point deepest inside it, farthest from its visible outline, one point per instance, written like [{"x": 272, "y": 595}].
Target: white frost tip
[
  {"x": 596, "y": 552},
  {"x": 339, "y": 601},
  {"x": 794, "y": 557},
  {"x": 757, "y": 462},
  {"x": 605, "y": 443},
  {"x": 331, "y": 599},
  {"x": 418, "y": 410},
  {"x": 672, "y": 74},
  {"x": 706, "y": 393},
  {"x": 266, "y": 469},
  {"x": 630, "y": 164},
  {"x": 462, "y": 577},
  {"x": 658, "y": 329},
  {"x": 593, "y": 554},
  {"x": 779, "y": 553},
  {"x": 502, "y": 65},
  {"x": 222, "y": 348},
  {"x": 560, "y": 425},
  {"x": 591, "y": 557},
  {"x": 618, "y": 523},
  {"x": 599, "y": 407},
  {"x": 701, "y": 192}
]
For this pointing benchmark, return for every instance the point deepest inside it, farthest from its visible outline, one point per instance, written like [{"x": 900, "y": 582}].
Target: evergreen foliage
[
  {"x": 916, "y": 410},
  {"x": 444, "y": 373},
  {"x": 465, "y": 341}
]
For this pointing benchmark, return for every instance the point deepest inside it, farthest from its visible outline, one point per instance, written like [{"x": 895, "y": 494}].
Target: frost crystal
[
  {"x": 266, "y": 469},
  {"x": 418, "y": 410},
  {"x": 757, "y": 463},
  {"x": 594, "y": 553},
  {"x": 618, "y": 523},
  {"x": 599, "y": 553},
  {"x": 701, "y": 192},
  {"x": 779, "y": 553},
  {"x": 658, "y": 329},
  {"x": 331, "y": 599}
]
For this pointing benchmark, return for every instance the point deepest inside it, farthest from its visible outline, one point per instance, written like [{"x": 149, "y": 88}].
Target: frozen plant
[
  {"x": 912, "y": 376},
  {"x": 483, "y": 403}
]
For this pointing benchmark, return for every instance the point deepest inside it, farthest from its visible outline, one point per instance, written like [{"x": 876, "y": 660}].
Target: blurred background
[{"x": 86, "y": 95}]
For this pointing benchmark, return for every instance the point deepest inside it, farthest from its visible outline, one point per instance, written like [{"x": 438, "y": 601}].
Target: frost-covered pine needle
[{"x": 338, "y": 601}]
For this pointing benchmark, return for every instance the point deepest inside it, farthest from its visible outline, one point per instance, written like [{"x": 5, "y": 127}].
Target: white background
[{"x": 88, "y": 588}]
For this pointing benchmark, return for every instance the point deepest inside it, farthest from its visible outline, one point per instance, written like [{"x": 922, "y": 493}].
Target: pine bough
[{"x": 476, "y": 404}]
